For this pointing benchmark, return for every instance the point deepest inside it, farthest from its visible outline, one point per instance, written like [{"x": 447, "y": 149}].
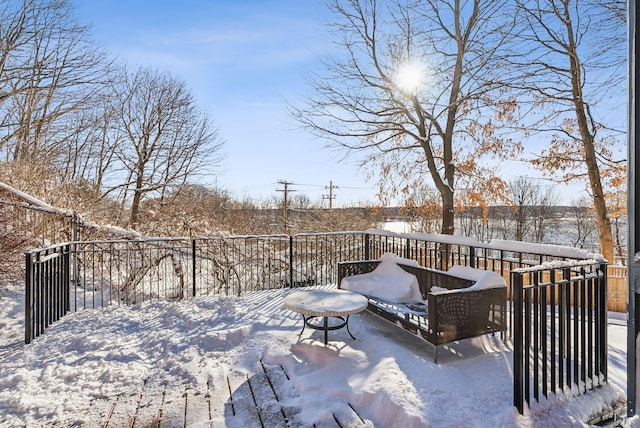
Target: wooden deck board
[
  {"x": 123, "y": 411},
  {"x": 271, "y": 412},
  {"x": 230, "y": 399},
  {"x": 241, "y": 398},
  {"x": 350, "y": 417},
  {"x": 103, "y": 407},
  {"x": 148, "y": 411},
  {"x": 197, "y": 406},
  {"x": 173, "y": 409}
]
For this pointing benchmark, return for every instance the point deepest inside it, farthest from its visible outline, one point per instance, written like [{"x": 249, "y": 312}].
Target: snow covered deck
[
  {"x": 243, "y": 400},
  {"x": 196, "y": 363}
]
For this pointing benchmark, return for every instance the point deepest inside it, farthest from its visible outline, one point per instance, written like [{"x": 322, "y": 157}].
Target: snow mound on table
[{"x": 387, "y": 281}]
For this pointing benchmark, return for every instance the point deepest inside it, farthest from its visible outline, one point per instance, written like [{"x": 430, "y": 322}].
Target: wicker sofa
[{"x": 451, "y": 313}]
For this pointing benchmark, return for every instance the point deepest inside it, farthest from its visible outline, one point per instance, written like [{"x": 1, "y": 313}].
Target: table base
[{"x": 325, "y": 325}]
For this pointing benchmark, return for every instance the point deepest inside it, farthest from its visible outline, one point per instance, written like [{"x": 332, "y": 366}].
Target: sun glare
[{"x": 409, "y": 77}]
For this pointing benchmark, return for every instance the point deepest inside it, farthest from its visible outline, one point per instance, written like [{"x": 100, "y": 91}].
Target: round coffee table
[{"x": 326, "y": 303}]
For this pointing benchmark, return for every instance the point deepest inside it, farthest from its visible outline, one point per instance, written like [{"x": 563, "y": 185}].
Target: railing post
[
  {"x": 193, "y": 265},
  {"x": 74, "y": 272},
  {"x": 290, "y": 261},
  {"x": 567, "y": 325},
  {"x": 28, "y": 300},
  {"x": 74, "y": 227},
  {"x": 516, "y": 282},
  {"x": 367, "y": 253},
  {"x": 472, "y": 257},
  {"x": 604, "y": 305},
  {"x": 66, "y": 290},
  {"x": 57, "y": 279}
]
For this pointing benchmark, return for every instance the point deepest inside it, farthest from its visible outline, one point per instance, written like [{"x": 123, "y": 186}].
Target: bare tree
[
  {"x": 617, "y": 9},
  {"x": 500, "y": 223},
  {"x": 422, "y": 209},
  {"x": 49, "y": 69},
  {"x": 470, "y": 221},
  {"x": 532, "y": 207},
  {"x": 165, "y": 139},
  {"x": 617, "y": 209},
  {"x": 14, "y": 241},
  {"x": 435, "y": 128},
  {"x": 13, "y": 39},
  {"x": 194, "y": 210},
  {"x": 582, "y": 230},
  {"x": 572, "y": 54},
  {"x": 91, "y": 149}
]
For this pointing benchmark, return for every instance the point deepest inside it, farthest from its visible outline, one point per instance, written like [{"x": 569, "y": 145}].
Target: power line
[
  {"x": 310, "y": 185},
  {"x": 356, "y": 188}
]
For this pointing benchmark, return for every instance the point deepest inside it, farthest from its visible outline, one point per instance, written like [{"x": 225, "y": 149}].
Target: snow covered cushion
[{"x": 387, "y": 281}]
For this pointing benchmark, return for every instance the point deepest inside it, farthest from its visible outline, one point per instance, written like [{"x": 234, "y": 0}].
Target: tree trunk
[
  {"x": 135, "y": 208},
  {"x": 448, "y": 214},
  {"x": 591, "y": 161},
  {"x": 604, "y": 224},
  {"x": 137, "y": 197}
]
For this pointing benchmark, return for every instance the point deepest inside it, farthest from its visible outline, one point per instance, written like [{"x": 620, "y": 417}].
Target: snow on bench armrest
[
  {"x": 484, "y": 279},
  {"x": 394, "y": 258}
]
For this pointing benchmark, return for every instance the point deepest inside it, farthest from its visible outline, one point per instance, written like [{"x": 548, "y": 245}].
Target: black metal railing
[
  {"x": 46, "y": 289},
  {"x": 560, "y": 329},
  {"x": 124, "y": 272}
]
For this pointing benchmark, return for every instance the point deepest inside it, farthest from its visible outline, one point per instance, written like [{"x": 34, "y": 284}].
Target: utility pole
[
  {"x": 285, "y": 190},
  {"x": 331, "y": 196}
]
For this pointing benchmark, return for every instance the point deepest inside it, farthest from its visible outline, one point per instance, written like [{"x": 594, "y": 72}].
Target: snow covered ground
[{"x": 388, "y": 376}]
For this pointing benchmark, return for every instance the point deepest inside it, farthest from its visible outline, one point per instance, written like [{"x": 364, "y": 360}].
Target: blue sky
[{"x": 242, "y": 60}]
